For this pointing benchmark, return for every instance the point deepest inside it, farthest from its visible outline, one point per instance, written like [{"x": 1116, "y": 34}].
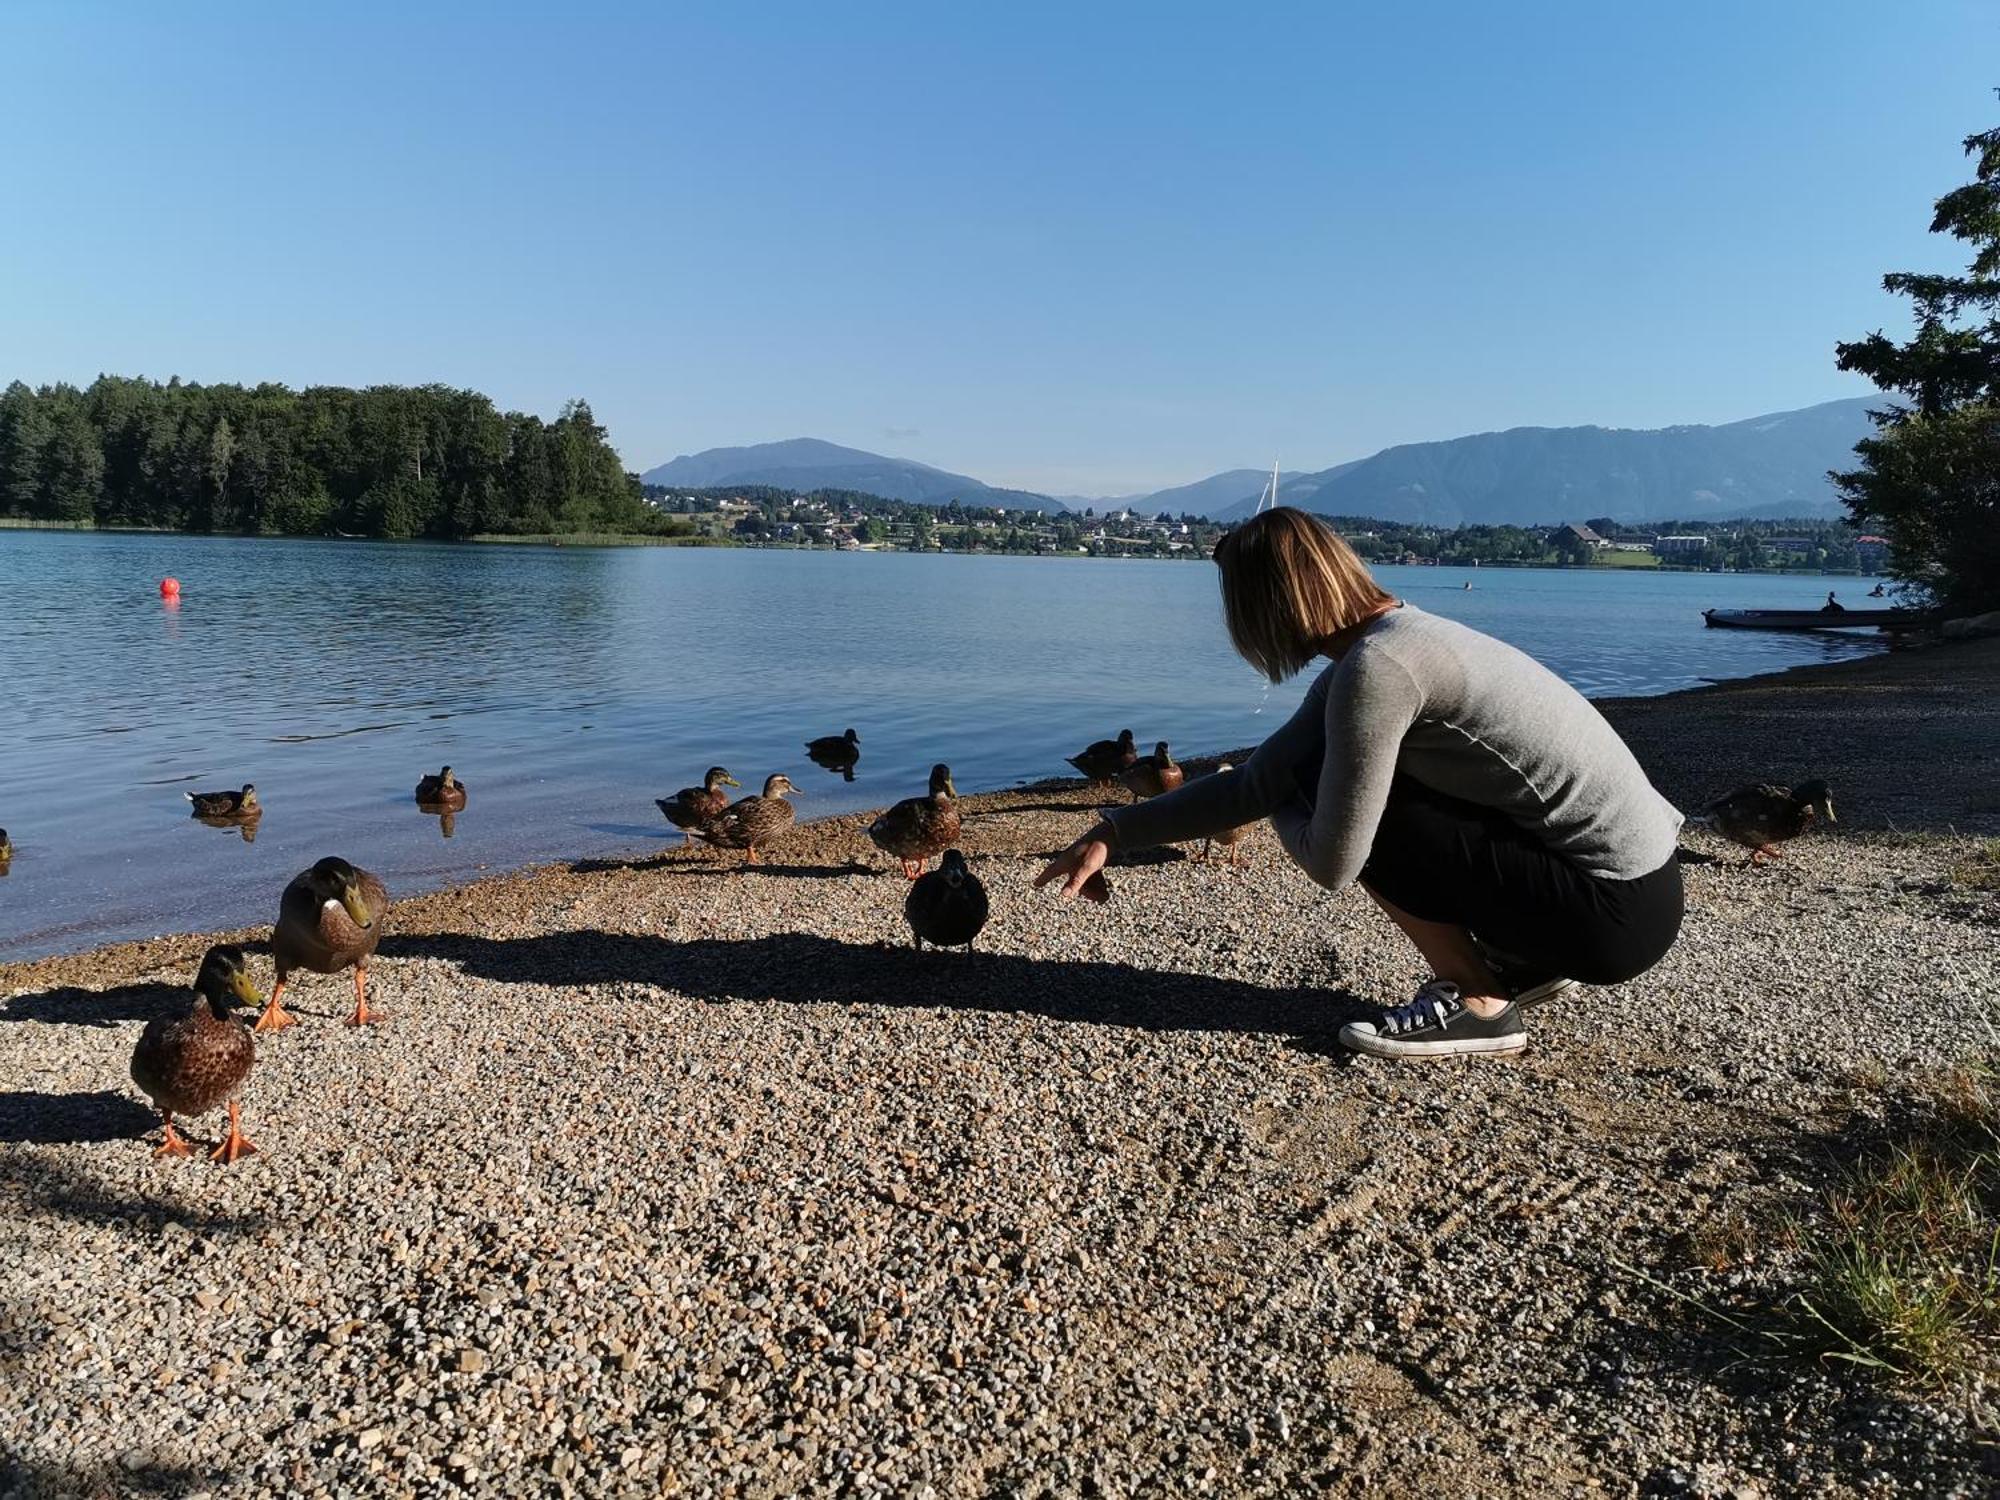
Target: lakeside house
[
  {"x": 1582, "y": 533},
  {"x": 1679, "y": 546}
]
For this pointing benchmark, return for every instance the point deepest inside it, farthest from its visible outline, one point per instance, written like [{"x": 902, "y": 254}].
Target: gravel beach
[{"x": 680, "y": 1177}]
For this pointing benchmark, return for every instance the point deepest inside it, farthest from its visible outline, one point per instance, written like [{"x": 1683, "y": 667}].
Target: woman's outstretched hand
[{"x": 1080, "y": 867}]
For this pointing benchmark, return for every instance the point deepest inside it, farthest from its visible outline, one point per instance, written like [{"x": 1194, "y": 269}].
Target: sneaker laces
[{"x": 1433, "y": 1005}]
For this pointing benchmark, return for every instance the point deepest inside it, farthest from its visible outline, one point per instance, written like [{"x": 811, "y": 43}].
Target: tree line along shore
[{"x": 433, "y": 462}]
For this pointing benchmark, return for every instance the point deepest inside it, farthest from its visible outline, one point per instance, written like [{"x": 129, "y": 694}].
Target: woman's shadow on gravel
[{"x": 803, "y": 969}]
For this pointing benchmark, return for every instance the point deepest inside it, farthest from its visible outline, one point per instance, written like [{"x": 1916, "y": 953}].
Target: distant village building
[
  {"x": 1679, "y": 546},
  {"x": 1791, "y": 545},
  {"x": 1873, "y": 551},
  {"x": 1583, "y": 534}
]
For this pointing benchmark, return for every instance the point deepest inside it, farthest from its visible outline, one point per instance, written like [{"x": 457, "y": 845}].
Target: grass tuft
[
  {"x": 1901, "y": 1270},
  {"x": 1979, "y": 870}
]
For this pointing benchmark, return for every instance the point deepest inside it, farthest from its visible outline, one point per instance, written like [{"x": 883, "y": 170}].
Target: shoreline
[
  {"x": 675, "y": 1175},
  {"x": 1686, "y": 766},
  {"x": 579, "y": 540}
]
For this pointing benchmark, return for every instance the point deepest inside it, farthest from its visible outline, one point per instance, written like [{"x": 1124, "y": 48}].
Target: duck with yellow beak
[{"x": 330, "y": 918}]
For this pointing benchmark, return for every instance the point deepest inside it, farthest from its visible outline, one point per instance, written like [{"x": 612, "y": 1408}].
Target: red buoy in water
[{"x": 170, "y": 588}]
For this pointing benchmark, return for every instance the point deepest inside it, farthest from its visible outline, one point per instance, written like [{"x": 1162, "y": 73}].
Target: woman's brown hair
[{"x": 1289, "y": 584}]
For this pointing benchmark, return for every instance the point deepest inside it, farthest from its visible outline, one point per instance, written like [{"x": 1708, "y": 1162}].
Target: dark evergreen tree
[{"x": 1930, "y": 477}]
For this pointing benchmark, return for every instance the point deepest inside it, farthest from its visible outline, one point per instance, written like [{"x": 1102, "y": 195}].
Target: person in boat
[
  {"x": 1832, "y": 606},
  {"x": 1878, "y": 592},
  {"x": 1481, "y": 801}
]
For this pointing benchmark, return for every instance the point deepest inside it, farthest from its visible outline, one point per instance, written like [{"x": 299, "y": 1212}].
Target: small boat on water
[{"x": 1817, "y": 619}]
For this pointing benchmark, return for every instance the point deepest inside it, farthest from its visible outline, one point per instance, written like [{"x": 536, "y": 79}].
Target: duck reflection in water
[{"x": 243, "y": 823}]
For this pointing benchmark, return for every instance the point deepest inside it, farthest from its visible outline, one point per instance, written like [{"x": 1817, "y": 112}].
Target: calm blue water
[{"x": 569, "y": 687}]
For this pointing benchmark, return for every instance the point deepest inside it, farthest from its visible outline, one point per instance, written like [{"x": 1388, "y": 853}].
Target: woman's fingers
[{"x": 1080, "y": 868}]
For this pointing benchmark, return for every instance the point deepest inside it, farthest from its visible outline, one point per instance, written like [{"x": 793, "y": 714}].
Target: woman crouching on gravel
[{"x": 1483, "y": 803}]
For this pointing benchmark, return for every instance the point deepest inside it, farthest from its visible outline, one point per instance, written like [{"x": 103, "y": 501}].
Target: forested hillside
[{"x": 387, "y": 461}]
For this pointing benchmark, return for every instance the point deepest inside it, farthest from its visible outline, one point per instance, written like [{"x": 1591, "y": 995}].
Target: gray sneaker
[{"x": 1436, "y": 1024}]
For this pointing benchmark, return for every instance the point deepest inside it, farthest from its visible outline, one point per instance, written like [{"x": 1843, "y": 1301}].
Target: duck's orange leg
[
  {"x": 753, "y": 855},
  {"x": 234, "y": 1145},
  {"x": 274, "y": 1017},
  {"x": 171, "y": 1144},
  {"x": 363, "y": 1016}
]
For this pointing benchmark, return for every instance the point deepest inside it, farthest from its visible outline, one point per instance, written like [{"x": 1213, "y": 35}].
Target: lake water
[{"x": 570, "y": 686}]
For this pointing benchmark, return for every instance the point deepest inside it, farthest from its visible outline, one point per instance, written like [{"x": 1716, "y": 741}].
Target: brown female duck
[
  {"x": 1152, "y": 775},
  {"x": 329, "y": 918},
  {"x": 1762, "y": 817},
  {"x": 1103, "y": 760},
  {"x": 1229, "y": 838},
  {"x": 187, "y": 1065},
  {"x": 917, "y": 828},
  {"x": 947, "y": 907},
  {"x": 241, "y": 804},
  {"x": 751, "y": 823},
  {"x": 443, "y": 790},
  {"x": 693, "y": 809}
]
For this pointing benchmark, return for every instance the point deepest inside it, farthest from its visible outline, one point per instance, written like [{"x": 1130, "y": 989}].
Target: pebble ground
[{"x": 677, "y": 1177}]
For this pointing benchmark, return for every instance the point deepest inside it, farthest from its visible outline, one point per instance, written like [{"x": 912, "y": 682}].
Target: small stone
[
  {"x": 696, "y": 1405},
  {"x": 370, "y": 1438},
  {"x": 471, "y": 1361}
]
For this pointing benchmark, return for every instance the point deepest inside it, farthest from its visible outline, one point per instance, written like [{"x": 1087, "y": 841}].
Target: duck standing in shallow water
[
  {"x": 241, "y": 804},
  {"x": 1152, "y": 775},
  {"x": 694, "y": 809},
  {"x": 1762, "y": 817},
  {"x": 918, "y": 828},
  {"x": 6, "y": 851},
  {"x": 187, "y": 1065},
  {"x": 444, "y": 791},
  {"x": 947, "y": 907},
  {"x": 757, "y": 821},
  {"x": 329, "y": 918},
  {"x": 1102, "y": 760}
]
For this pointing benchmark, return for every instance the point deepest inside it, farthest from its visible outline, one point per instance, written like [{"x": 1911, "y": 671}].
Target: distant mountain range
[
  {"x": 809, "y": 464},
  {"x": 1766, "y": 466}
]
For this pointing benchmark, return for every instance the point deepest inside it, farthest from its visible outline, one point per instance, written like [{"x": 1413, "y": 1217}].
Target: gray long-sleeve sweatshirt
[{"x": 1451, "y": 708}]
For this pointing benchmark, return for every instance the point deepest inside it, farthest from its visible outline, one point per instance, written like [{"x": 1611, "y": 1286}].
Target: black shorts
[{"x": 1447, "y": 860}]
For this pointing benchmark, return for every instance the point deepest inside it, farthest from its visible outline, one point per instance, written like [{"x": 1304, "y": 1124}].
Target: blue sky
[{"x": 1081, "y": 248}]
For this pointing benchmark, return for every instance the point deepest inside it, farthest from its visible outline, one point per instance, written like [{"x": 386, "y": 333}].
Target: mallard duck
[
  {"x": 693, "y": 808},
  {"x": 1152, "y": 775},
  {"x": 1104, "y": 759},
  {"x": 1762, "y": 817},
  {"x": 751, "y": 822},
  {"x": 224, "y": 804},
  {"x": 947, "y": 907},
  {"x": 187, "y": 1065},
  {"x": 442, "y": 790},
  {"x": 1229, "y": 838},
  {"x": 6, "y": 851},
  {"x": 834, "y": 751},
  {"x": 918, "y": 827},
  {"x": 329, "y": 918}
]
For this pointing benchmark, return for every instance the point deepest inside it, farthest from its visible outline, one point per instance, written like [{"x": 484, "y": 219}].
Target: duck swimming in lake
[
  {"x": 755, "y": 822},
  {"x": 1152, "y": 775},
  {"x": 1764, "y": 816},
  {"x": 1104, "y": 759},
  {"x": 329, "y": 918},
  {"x": 947, "y": 907},
  {"x": 187, "y": 1065},
  {"x": 917, "y": 828},
  {"x": 694, "y": 808},
  {"x": 835, "y": 751},
  {"x": 442, "y": 790},
  {"x": 225, "y": 804}
]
